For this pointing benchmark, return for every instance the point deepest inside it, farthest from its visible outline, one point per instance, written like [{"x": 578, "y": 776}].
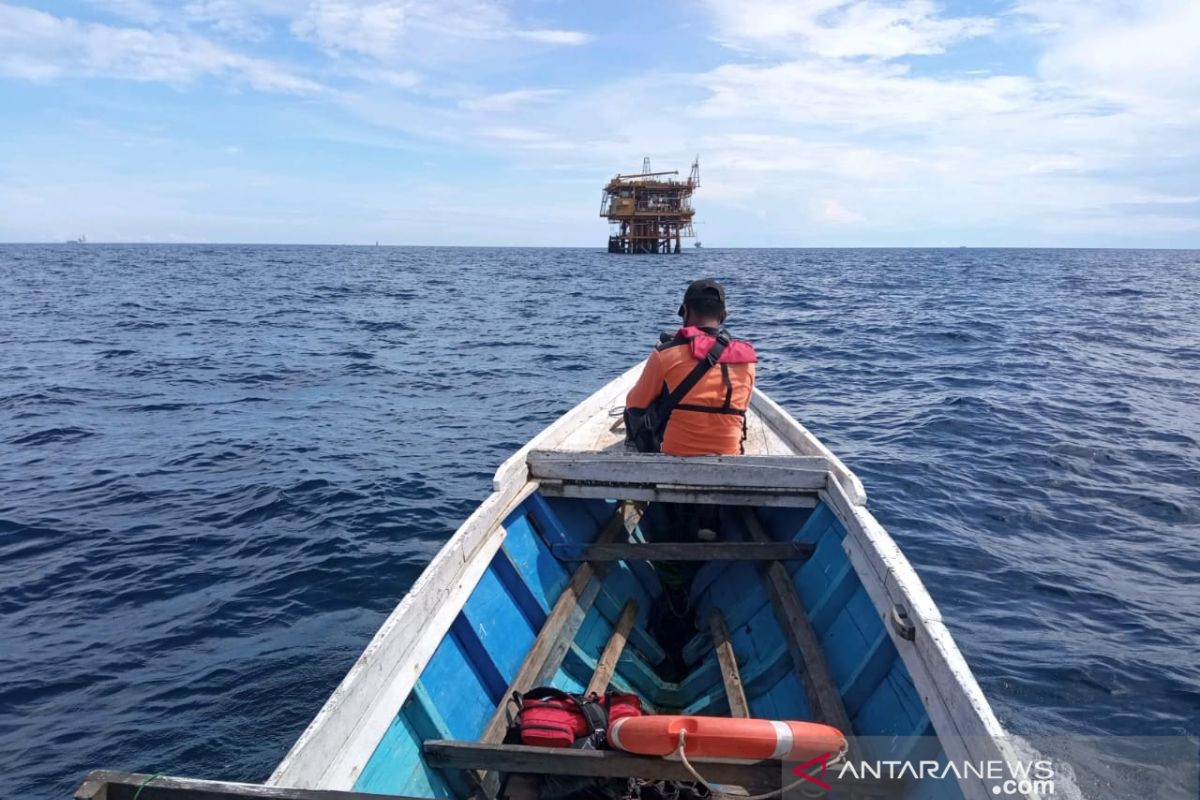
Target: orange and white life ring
[{"x": 725, "y": 737}]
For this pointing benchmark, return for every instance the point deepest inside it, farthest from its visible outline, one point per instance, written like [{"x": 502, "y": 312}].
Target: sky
[{"x": 497, "y": 122}]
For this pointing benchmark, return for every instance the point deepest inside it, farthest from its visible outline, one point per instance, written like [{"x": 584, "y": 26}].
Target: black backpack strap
[
  {"x": 699, "y": 371},
  {"x": 546, "y": 693},
  {"x": 512, "y": 732},
  {"x": 733, "y": 412},
  {"x": 595, "y": 713}
]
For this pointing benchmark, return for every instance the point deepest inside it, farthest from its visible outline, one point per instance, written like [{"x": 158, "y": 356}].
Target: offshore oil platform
[{"x": 649, "y": 212}]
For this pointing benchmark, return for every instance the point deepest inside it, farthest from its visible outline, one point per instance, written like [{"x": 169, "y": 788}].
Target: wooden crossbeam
[
  {"x": 453, "y": 754},
  {"x": 607, "y": 664},
  {"x": 663, "y": 493},
  {"x": 793, "y": 473},
  {"x": 753, "y": 775},
  {"x": 684, "y": 551},
  {"x": 112, "y": 785},
  {"x": 803, "y": 644},
  {"x": 730, "y": 674}
]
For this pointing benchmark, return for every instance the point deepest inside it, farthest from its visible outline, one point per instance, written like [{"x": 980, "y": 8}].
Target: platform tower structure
[{"x": 649, "y": 212}]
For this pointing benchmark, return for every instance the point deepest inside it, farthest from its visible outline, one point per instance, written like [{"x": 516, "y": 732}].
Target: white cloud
[
  {"x": 1142, "y": 54},
  {"x": 229, "y": 17},
  {"x": 860, "y": 95},
  {"x": 396, "y": 30},
  {"x": 759, "y": 157},
  {"x": 842, "y": 28},
  {"x": 508, "y": 101},
  {"x": 835, "y": 212},
  {"x": 143, "y": 12},
  {"x": 551, "y": 36},
  {"x": 528, "y": 138},
  {"x": 39, "y": 46},
  {"x": 376, "y": 29},
  {"x": 381, "y": 75},
  {"x": 918, "y": 153}
]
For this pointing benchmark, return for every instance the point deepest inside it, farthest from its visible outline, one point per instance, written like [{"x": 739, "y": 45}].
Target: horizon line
[{"x": 599, "y": 248}]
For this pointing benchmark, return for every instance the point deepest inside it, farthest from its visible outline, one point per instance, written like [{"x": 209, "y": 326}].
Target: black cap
[{"x": 705, "y": 288}]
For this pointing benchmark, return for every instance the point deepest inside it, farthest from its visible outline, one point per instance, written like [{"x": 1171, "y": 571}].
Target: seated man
[
  {"x": 706, "y": 418},
  {"x": 709, "y": 419}
]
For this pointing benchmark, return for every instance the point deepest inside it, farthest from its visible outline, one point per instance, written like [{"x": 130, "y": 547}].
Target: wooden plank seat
[
  {"x": 452, "y": 754},
  {"x": 757, "y": 480},
  {"x": 684, "y": 551},
  {"x": 660, "y": 493},
  {"x": 755, "y": 776},
  {"x": 732, "y": 472}
]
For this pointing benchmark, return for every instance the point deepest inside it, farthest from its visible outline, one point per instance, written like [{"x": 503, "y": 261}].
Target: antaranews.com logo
[
  {"x": 1018, "y": 778},
  {"x": 1066, "y": 768}
]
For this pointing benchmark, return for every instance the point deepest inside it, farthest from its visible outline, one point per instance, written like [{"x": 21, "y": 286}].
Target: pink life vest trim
[{"x": 738, "y": 351}]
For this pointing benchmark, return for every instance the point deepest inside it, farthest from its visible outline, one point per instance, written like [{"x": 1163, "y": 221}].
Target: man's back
[{"x": 710, "y": 418}]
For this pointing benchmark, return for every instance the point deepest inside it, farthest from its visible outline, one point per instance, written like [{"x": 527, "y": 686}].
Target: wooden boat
[{"x": 806, "y": 610}]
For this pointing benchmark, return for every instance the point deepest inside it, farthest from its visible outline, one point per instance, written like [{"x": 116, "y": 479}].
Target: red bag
[
  {"x": 621, "y": 704},
  {"x": 550, "y": 717}
]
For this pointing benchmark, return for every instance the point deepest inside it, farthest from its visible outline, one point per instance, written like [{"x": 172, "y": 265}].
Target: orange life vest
[{"x": 710, "y": 419}]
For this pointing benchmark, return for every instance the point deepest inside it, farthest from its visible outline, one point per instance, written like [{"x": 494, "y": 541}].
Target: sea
[{"x": 222, "y": 466}]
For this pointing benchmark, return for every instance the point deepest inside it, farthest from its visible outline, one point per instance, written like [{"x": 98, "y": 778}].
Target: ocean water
[{"x": 220, "y": 467}]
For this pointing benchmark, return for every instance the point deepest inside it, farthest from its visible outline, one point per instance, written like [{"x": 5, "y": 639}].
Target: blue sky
[{"x": 817, "y": 122}]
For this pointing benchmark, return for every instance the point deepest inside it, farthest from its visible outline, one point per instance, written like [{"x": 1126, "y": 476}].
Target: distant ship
[
  {"x": 697, "y": 244},
  {"x": 81, "y": 240}
]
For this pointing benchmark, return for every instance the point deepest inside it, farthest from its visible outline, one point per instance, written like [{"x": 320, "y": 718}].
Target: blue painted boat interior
[{"x": 467, "y": 676}]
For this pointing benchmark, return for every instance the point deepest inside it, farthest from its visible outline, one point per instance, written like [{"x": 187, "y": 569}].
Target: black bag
[{"x": 645, "y": 427}]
